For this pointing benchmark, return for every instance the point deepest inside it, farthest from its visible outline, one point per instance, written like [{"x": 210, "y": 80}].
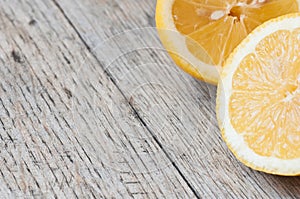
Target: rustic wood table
[{"x": 93, "y": 107}]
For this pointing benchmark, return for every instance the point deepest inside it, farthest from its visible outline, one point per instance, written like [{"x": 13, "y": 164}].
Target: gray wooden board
[
  {"x": 92, "y": 106},
  {"x": 177, "y": 109},
  {"x": 66, "y": 130}
]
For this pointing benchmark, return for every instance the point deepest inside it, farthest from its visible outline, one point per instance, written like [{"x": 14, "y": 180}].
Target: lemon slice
[
  {"x": 258, "y": 100},
  {"x": 200, "y": 34}
]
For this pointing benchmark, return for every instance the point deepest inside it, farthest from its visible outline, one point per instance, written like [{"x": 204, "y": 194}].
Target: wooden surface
[{"x": 93, "y": 107}]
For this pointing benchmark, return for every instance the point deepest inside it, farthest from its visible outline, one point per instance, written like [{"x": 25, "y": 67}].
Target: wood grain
[
  {"x": 66, "y": 130},
  {"x": 177, "y": 110}
]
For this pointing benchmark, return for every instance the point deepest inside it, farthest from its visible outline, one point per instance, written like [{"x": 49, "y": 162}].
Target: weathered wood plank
[
  {"x": 66, "y": 131},
  {"x": 178, "y": 110}
]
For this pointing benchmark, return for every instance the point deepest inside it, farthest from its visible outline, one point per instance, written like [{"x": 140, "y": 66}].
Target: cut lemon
[
  {"x": 200, "y": 34},
  {"x": 258, "y": 103}
]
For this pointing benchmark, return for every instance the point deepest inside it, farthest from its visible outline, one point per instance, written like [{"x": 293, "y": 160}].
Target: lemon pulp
[{"x": 215, "y": 27}]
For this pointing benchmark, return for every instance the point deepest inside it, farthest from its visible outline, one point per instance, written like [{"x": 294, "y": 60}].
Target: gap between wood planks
[{"x": 130, "y": 104}]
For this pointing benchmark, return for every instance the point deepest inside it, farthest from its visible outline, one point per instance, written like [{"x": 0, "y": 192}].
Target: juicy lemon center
[
  {"x": 236, "y": 12},
  {"x": 265, "y": 104},
  {"x": 215, "y": 27}
]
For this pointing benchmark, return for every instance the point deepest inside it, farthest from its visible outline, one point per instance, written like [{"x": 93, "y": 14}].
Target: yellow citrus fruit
[
  {"x": 258, "y": 101},
  {"x": 200, "y": 34}
]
